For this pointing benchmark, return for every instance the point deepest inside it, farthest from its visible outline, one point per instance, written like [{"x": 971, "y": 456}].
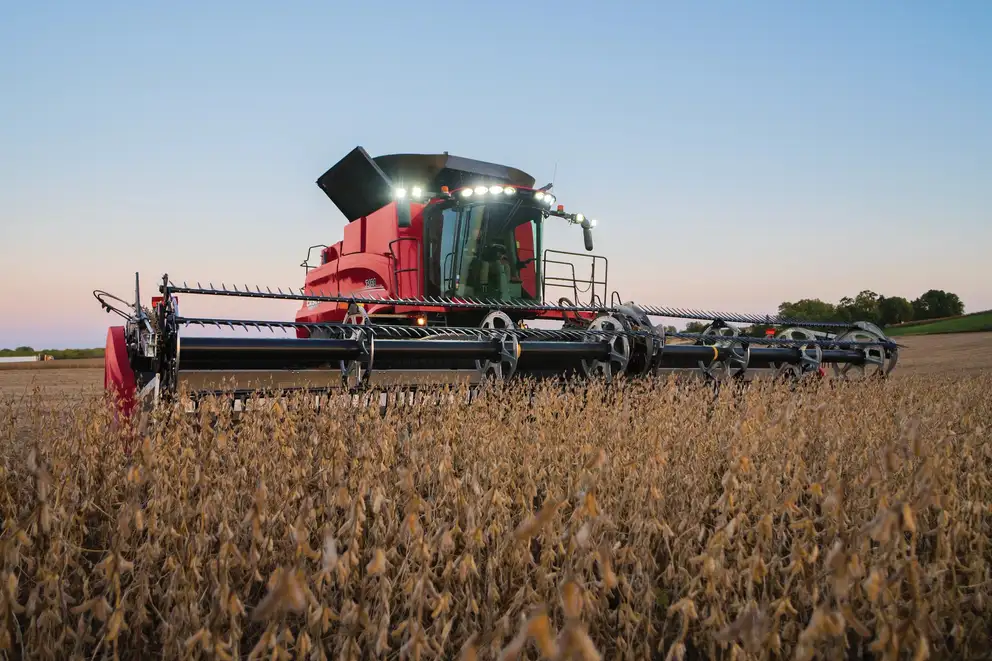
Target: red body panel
[
  {"x": 525, "y": 250},
  {"x": 118, "y": 378},
  {"x": 376, "y": 257}
]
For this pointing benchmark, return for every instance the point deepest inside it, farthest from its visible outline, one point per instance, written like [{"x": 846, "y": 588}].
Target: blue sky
[{"x": 736, "y": 154}]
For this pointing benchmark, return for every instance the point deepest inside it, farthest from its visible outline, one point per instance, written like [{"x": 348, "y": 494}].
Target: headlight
[
  {"x": 400, "y": 193},
  {"x": 481, "y": 190},
  {"x": 417, "y": 192},
  {"x": 495, "y": 190},
  {"x": 549, "y": 200},
  {"x": 509, "y": 190},
  {"x": 539, "y": 195},
  {"x": 466, "y": 192}
]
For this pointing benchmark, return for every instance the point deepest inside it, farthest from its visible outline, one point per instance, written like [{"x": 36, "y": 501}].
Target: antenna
[{"x": 554, "y": 175}]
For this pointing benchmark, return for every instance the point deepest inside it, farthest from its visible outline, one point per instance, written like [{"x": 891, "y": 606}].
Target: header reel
[{"x": 150, "y": 356}]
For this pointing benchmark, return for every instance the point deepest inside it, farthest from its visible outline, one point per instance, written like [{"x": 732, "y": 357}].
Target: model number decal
[{"x": 370, "y": 283}]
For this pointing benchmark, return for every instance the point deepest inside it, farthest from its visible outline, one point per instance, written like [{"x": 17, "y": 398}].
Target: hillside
[{"x": 976, "y": 321}]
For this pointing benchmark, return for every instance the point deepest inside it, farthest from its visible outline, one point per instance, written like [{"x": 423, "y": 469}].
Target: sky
[{"x": 736, "y": 155}]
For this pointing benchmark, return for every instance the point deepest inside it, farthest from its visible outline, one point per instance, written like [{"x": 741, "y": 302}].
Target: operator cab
[
  {"x": 439, "y": 225},
  {"x": 481, "y": 249}
]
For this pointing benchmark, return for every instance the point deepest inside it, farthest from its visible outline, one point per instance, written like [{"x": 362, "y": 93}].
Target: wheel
[
  {"x": 648, "y": 341},
  {"x": 722, "y": 336},
  {"x": 502, "y": 369},
  {"x": 878, "y": 363},
  {"x": 799, "y": 334},
  {"x": 619, "y": 349}
]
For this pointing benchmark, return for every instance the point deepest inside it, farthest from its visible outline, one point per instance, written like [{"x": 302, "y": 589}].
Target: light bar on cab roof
[
  {"x": 481, "y": 190},
  {"x": 496, "y": 190},
  {"x": 490, "y": 191}
]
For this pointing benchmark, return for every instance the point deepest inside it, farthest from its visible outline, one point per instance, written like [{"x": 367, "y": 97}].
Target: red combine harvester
[{"x": 440, "y": 266}]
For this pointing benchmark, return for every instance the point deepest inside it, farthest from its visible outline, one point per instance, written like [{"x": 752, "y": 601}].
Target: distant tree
[
  {"x": 57, "y": 354},
  {"x": 894, "y": 310},
  {"x": 863, "y": 307},
  {"x": 808, "y": 309},
  {"x": 66, "y": 354},
  {"x": 936, "y": 303},
  {"x": 696, "y": 326},
  {"x": 19, "y": 351},
  {"x": 670, "y": 329}
]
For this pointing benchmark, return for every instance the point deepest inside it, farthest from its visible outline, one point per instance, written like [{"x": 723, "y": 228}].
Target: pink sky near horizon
[{"x": 48, "y": 307}]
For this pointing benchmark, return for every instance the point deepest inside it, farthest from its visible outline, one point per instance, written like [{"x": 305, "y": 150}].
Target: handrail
[
  {"x": 395, "y": 260},
  {"x": 563, "y": 280},
  {"x": 306, "y": 262},
  {"x": 591, "y": 285}
]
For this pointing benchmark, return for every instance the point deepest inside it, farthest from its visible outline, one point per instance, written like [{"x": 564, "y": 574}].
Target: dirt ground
[
  {"x": 961, "y": 353},
  {"x": 75, "y": 381},
  {"x": 72, "y": 363},
  {"x": 958, "y": 353}
]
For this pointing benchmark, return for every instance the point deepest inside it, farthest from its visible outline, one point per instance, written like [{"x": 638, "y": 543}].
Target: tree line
[{"x": 866, "y": 306}]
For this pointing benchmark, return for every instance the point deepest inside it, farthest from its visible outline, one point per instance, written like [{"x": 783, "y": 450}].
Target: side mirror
[{"x": 587, "y": 237}]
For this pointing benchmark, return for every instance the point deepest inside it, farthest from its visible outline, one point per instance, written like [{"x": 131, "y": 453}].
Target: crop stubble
[{"x": 650, "y": 522}]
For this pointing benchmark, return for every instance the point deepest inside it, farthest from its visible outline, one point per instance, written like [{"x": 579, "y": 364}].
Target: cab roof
[{"x": 359, "y": 184}]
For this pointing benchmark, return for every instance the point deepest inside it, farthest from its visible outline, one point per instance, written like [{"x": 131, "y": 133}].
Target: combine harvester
[{"x": 440, "y": 267}]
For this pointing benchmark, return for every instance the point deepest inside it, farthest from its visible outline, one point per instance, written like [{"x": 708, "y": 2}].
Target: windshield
[{"x": 484, "y": 249}]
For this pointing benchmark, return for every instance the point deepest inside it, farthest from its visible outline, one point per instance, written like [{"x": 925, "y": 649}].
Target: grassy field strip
[{"x": 981, "y": 321}]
